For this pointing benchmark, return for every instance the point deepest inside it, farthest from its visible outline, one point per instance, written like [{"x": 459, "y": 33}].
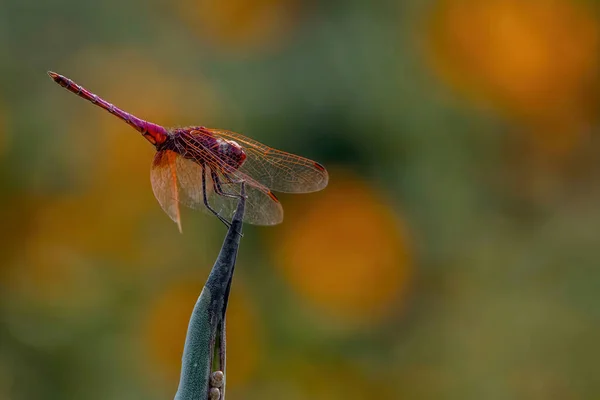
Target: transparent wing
[
  {"x": 177, "y": 180},
  {"x": 275, "y": 169},
  {"x": 262, "y": 207}
]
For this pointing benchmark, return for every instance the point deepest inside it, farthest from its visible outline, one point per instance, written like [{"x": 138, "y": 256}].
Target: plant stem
[{"x": 207, "y": 322}]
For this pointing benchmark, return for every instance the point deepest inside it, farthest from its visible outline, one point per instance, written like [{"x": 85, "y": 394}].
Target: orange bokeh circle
[
  {"x": 344, "y": 250},
  {"x": 535, "y": 59}
]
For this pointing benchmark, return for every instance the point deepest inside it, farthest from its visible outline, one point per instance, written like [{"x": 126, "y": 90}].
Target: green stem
[{"x": 207, "y": 322}]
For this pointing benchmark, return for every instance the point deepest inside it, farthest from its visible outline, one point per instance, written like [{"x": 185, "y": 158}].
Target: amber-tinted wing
[
  {"x": 177, "y": 180},
  {"x": 163, "y": 176},
  {"x": 275, "y": 169}
]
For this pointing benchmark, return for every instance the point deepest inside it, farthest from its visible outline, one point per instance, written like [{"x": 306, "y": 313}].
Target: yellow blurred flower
[
  {"x": 241, "y": 24},
  {"x": 166, "y": 325},
  {"x": 345, "y": 250},
  {"x": 537, "y": 60}
]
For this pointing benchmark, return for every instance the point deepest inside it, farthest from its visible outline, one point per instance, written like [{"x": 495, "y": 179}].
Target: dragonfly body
[{"x": 203, "y": 168}]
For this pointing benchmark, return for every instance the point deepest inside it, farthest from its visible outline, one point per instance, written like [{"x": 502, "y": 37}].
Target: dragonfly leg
[
  {"x": 228, "y": 181},
  {"x": 218, "y": 189},
  {"x": 205, "y": 197}
]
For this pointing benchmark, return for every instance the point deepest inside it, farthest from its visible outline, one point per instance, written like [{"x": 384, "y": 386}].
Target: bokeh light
[
  {"x": 239, "y": 24},
  {"x": 536, "y": 61},
  {"x": 345, "y": 250}
]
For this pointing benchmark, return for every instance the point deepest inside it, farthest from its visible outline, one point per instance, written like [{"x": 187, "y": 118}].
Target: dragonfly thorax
[{"x": 232, "y": 153}]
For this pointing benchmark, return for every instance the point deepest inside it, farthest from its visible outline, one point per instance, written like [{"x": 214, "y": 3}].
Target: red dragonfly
[{"x": 203, "y": 168}]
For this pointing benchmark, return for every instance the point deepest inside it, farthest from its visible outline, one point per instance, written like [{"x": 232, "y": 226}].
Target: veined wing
[
  {"x": 177, "y": 180},
  {"x": 275, "y": 169}
]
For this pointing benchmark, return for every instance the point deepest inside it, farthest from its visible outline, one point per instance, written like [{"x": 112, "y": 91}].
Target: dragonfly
[{"x": 204, "y": 168}]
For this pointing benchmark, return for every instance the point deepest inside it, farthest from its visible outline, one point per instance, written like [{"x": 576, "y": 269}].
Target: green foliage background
[{"x": 495, "y": 196}]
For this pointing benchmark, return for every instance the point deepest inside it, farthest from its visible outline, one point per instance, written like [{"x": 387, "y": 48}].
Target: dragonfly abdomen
[{"x": 154, "y": 133}]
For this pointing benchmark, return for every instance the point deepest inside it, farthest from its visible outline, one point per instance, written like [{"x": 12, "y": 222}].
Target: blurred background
[{"x": 454, "y": 255}]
